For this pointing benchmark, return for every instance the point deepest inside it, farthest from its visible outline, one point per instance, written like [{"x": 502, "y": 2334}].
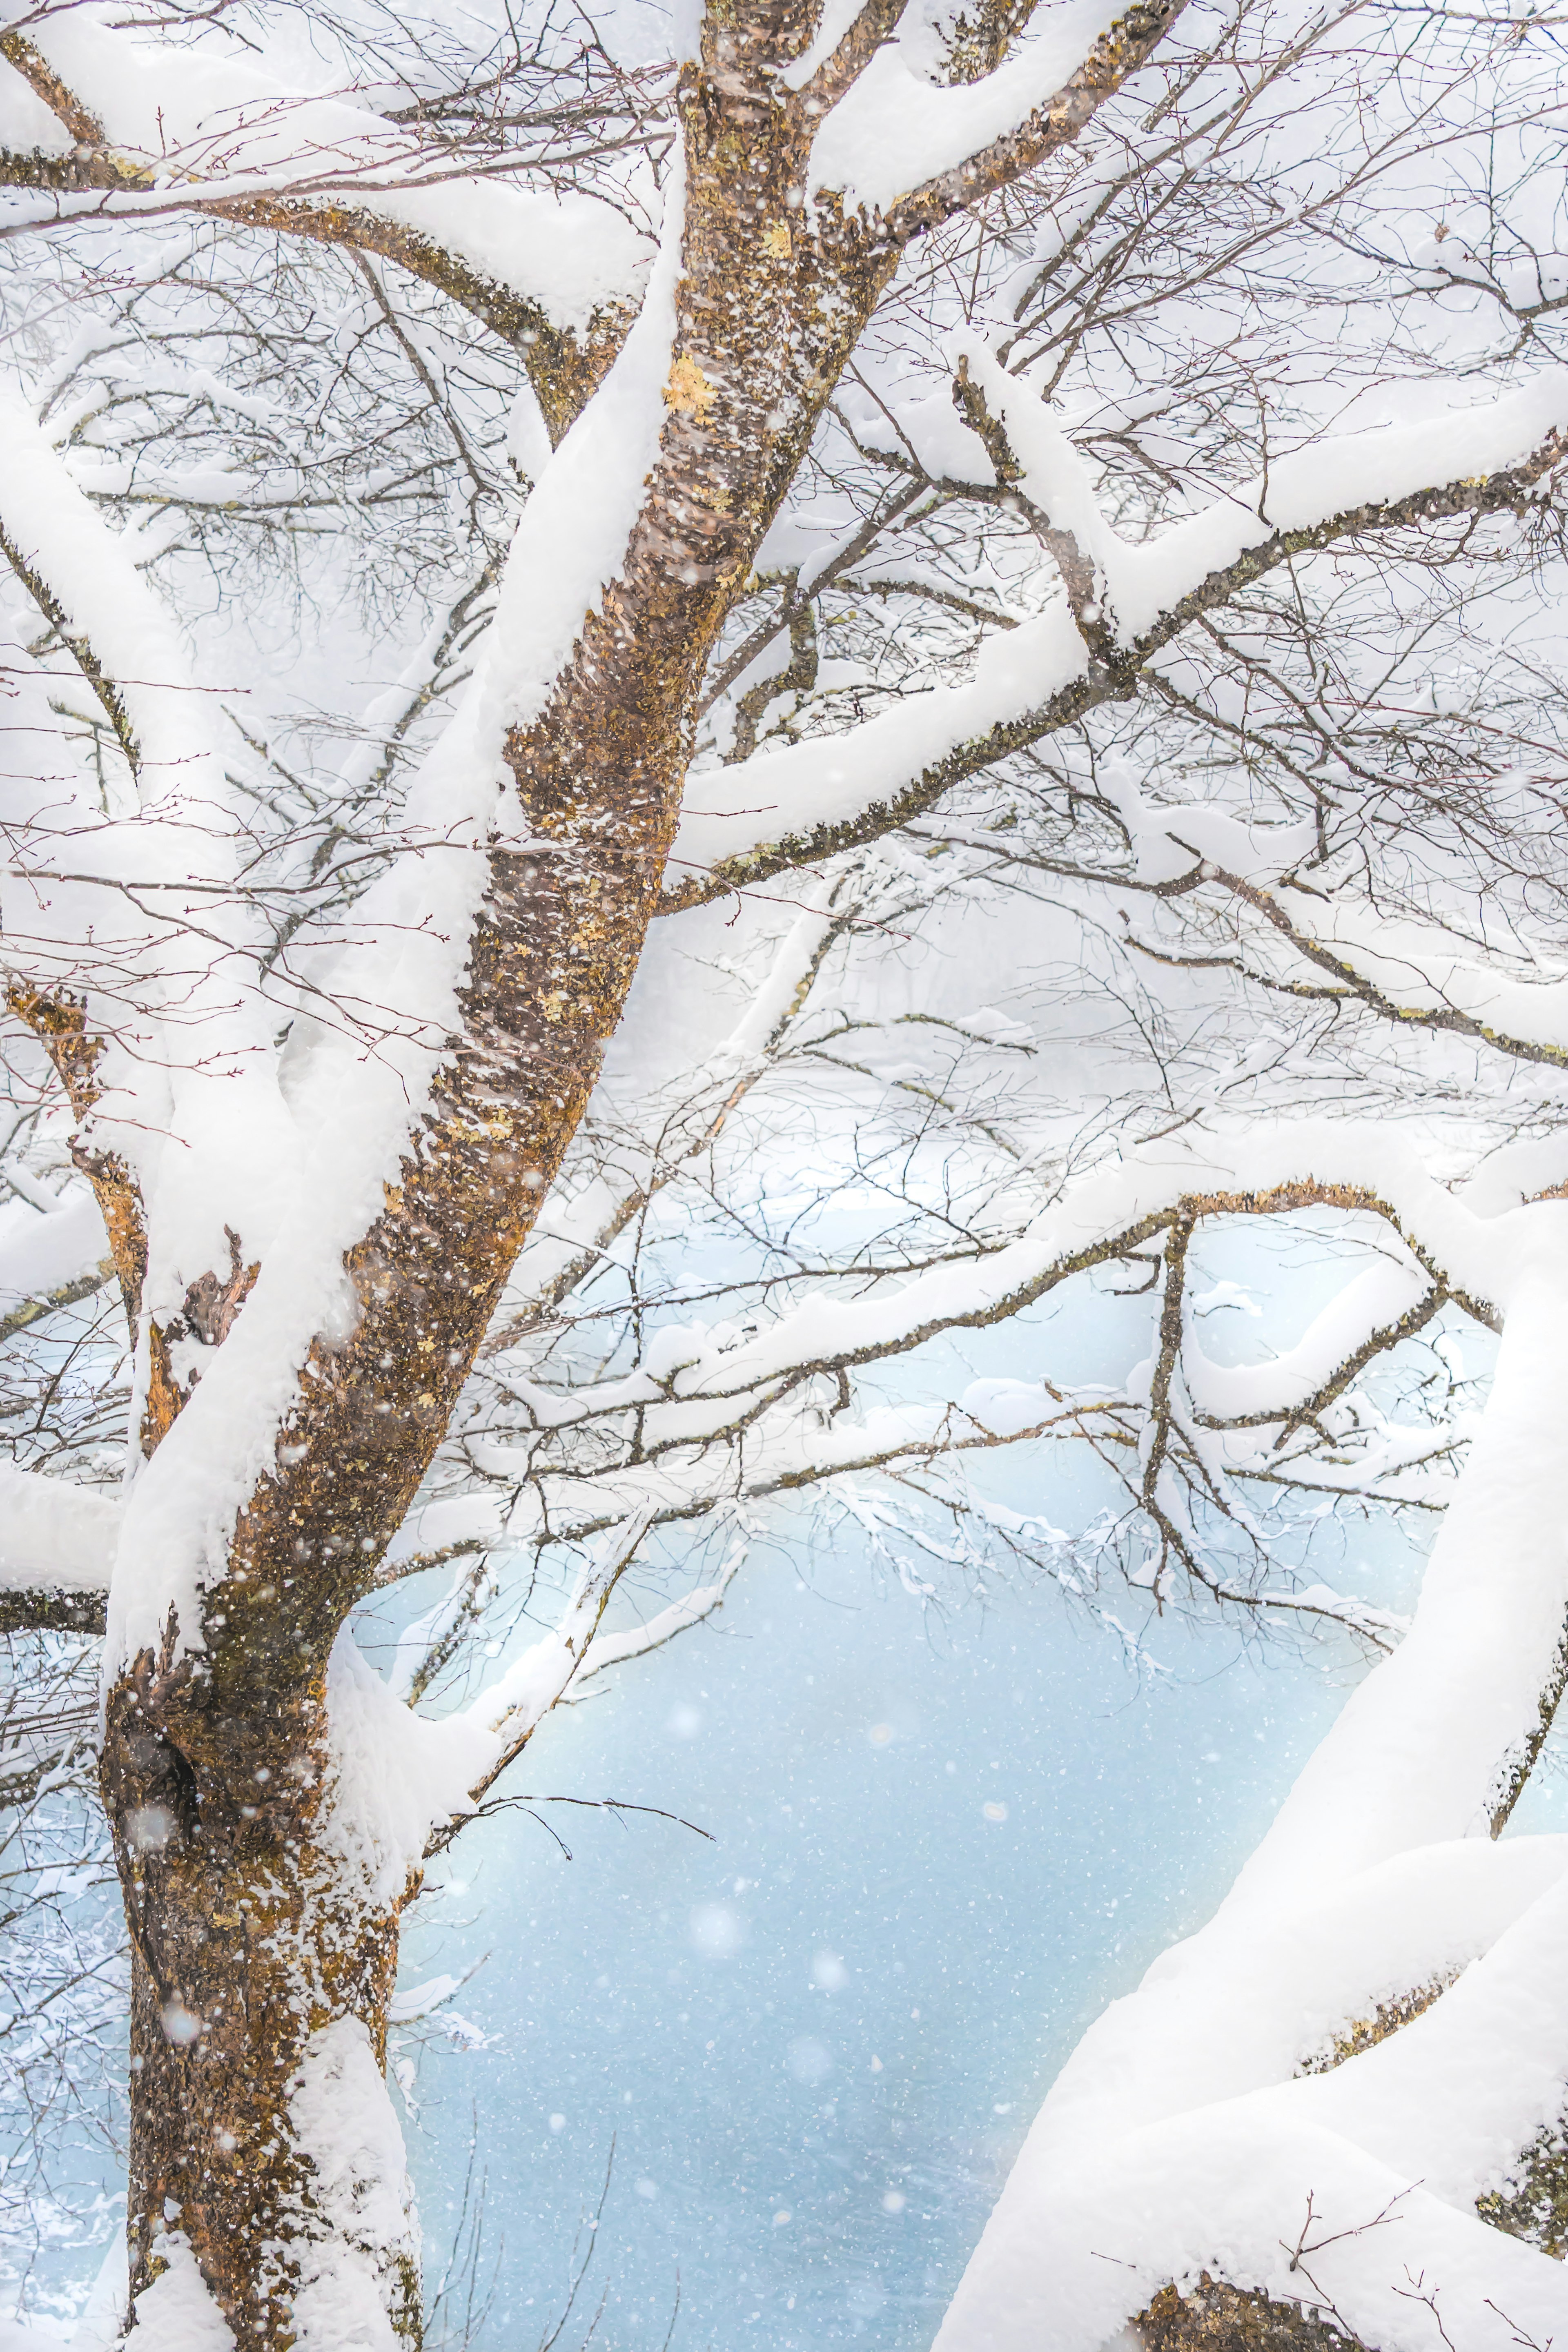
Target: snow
[
  {"x": 1335, "y": 476},
  {"x": 1370, "y": 1301},
  {"x": 224, "y": 1148},
  {"x": 1239, "y": 2006},
  {"x": 102, "y": 2320},
  {"x": 1167, "y": 838},
  {"x": 361, "y": 2201},
  {"x": 176, "y": 2314},
  {"x": 838, "y": 16},
  {"x": 395, "y": 1775},
  {"x": 1478, "y": 1253},
  {"x": 896, "y": 129},
  {"x": 26, "y": 125},
  {"x": 53, "y": 527},
  {"x": 789, "y": 793},
  {"x": 1417, "y": 967},
  {"x": 572, "y": 539},
  {"x": 1207, "y": 2193},
  {"x": 40, "y": 1253},
  {"x": 351, "y": 1109},
  {"x": 55, "y": 1533},
  {"x": 226, "y": 117},
  {"x": 1174, "y": 2139},
  {"x": 1456, "y": 2097},
  {"x": 1434, "y": 1727}
]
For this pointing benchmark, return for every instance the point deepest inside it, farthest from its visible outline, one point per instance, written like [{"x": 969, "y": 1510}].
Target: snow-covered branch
[{"x": 785, "y": 808}]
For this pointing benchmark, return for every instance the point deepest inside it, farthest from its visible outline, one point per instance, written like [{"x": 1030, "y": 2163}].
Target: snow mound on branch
[
  {"x": 176, "y": 2314},
  {"x": 41, "y": 1252},
  {"x": 226, "y": 117},
  {"x": 55, "y": 1533},
  {"x": 897, "y": 126},
  {"x": 395, "y": 1774},
  {"x": 346, "y": 2124},
  {"x": 838, "y": 779},
  {"x": 356, "y": 1111}
]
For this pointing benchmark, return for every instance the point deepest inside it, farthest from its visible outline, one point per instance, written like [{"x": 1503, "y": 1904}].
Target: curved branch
[
  {"x": 1120, "y": 51},
  {"x": 1093, "y": 684},
  {"x": 563, "y": 369},
  {"x": 37, "y": 1611}
]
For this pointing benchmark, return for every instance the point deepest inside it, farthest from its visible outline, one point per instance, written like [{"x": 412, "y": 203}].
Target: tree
[{"x": 329, "y": 1033}]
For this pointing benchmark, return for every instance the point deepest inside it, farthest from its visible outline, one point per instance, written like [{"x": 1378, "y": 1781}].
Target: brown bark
[
  {"x": 246, "y": 1933},
  {"x": 1214, "y": 2316}
]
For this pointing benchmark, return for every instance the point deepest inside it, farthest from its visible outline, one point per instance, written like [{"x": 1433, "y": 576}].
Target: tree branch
[
  {"x": 563, "y": 369},
  {"x": 1099, "y": 682},
  {"x": 1119, "y": 53}
]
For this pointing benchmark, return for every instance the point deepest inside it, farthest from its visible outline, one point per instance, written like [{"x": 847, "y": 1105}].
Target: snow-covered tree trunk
[{"x": 263, "y": 1969}]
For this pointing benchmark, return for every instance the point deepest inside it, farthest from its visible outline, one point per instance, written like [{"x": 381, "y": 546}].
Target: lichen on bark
[{"x": 1214, "y": 2316}]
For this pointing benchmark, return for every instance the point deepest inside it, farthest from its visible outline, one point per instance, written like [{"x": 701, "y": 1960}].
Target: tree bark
[
  {"x": 260, "y": 1979},
  {"x": 259, "y": 1963}
]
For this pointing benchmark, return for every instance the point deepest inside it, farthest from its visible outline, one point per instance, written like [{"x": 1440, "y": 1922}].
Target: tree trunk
[
  {"x": 265, "y": 1953},
  {"x": 263, "y": 2139}
]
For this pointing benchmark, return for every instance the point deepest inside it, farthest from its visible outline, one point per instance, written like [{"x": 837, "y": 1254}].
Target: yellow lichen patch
[
  {"x": 688, "y": 389},
  {"x": 778, "y": 242},
  {"x": 1534, "y": 2203}
]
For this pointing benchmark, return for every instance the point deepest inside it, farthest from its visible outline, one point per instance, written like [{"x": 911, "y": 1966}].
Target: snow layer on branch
[
  {"x": 59, "y": 536},
  {"x": 1392, "y": 2147},
  {"x": 26, "y": 125},
  {"x": 1417, "y": 967},
  {"x": 896, "y": 128},
  {"x": 837, "y": 779},
  {"x": 1434, "y": 1727},
  {"x": 779, "y": 795},
  {"x": 39, "y": 1253},
  {"x": 176, "y": 2314},
  {"x": 1456, "y": 2097},
  {"x": 53, "y": 1533},
  {"x": 221, "y": 115},
  {"x": 1237, "y": 2007},
  {"x": 1167, "y": 839},
  {"x": 1334, "y": 476},
  {"x": 573, "y": 536},
  {"x": 1480, "y": 1254},
  {"x": 1219, "y": 2191},
  {"x": 395, "y": 1774},
  {"x": 210, "y": 1141},
  {"x": 695, "y": 1381},
  {"x": 346, "y": 2125},
  {"x": 1372, "y": 1300}
]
